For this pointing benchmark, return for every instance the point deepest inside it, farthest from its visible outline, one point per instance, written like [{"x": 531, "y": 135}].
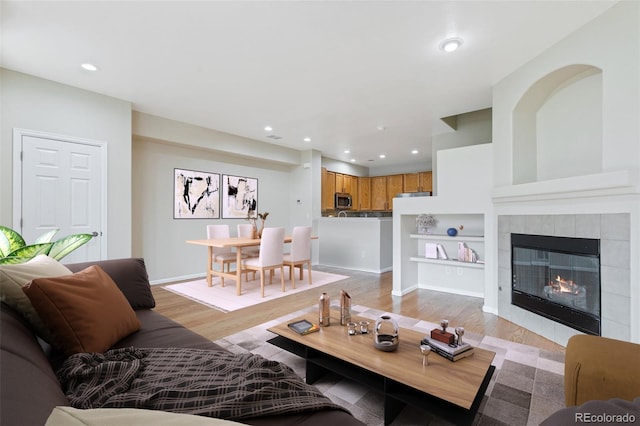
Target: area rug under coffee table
[{"x": 526, "y": 387}]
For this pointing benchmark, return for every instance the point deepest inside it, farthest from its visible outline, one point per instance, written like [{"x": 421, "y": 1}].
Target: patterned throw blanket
[{"x": 193, "y": 381}]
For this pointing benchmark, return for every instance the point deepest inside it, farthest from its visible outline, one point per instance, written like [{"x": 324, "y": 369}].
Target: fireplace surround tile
[{"x": 614, "y": 233}]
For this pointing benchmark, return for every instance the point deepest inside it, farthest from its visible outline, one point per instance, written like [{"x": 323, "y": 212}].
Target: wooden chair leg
[
  {"x": 262, "y": 281},
  {"x": 292, "y": 275},
  {"x": 309, "y": 270},
  {"x": 282, "y": 277}
]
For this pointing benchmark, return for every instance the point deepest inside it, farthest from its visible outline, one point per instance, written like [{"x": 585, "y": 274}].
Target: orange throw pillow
[{"x": 85, "y": 312}]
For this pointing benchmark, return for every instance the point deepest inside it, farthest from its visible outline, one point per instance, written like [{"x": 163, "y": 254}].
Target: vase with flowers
[{"x": 253, "y": 220}]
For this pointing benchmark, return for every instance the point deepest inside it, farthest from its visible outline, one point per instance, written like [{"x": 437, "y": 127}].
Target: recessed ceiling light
[
  {"x": 353, "y": 160},
  {"x": 346, "y": 151},
  {"x": 451, "y": 44},
  {"x": 268, "y": 128},
  {"x": 415, "y": 151},
  {"x": 89, "y": 67},
  {"x": 307, "y": 139},
  {"x": 381, "y": 128},
  {"x": 382, "y": 156}
]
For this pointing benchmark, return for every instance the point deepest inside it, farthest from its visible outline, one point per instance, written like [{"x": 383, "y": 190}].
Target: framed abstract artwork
[
  {"x": 239, "y": 197},
  {"x": 196, "y": 195}
]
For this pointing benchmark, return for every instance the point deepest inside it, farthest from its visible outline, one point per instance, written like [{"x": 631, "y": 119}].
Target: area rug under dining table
[
  {"x": 225, "y": 299},
  {"x": 525, "y": 389}
]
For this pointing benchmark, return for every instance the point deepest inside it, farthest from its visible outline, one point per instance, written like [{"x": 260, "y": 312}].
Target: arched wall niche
[{"x": 557, "y": 126}]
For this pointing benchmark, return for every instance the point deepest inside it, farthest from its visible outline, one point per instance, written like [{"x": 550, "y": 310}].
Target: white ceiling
[{"x": 333, "y": 71}]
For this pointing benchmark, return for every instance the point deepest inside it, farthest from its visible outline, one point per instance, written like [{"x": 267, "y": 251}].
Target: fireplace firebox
[{"x": 558, "y": 278}]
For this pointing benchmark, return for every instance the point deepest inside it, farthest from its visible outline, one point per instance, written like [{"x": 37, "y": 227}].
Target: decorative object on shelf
[
  {"x": 324, "y": 310},
  {"x": 386, "y": 334},
  {"x": 425, "y": 350},
  {"x": 452, "y": 232},
  {"x": 434, "y": 251},
  {"x": 466, "y": 254},
  {"x": 444, "y": 324},
  {"x": 425, "y": 223},
  {"x": 345, "y": 307},
  {"x": 364, "y": 327}
]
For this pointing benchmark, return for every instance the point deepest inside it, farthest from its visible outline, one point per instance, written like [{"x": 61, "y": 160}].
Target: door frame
[{"x": 18, "y": 135}]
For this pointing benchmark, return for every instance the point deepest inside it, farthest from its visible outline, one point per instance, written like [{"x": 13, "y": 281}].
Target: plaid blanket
[{"x": 202, "y": 382}]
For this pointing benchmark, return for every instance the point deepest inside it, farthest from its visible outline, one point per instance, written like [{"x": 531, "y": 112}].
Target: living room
[{"x": 143, "y": 150}]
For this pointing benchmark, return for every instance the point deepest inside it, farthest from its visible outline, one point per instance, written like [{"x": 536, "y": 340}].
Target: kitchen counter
[{"x": 361, "y": 243}]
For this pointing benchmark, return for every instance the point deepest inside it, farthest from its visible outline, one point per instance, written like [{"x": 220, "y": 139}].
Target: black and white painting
[
  {"x": 196, "y": 195},
  {"x": 239, "y": 197}
]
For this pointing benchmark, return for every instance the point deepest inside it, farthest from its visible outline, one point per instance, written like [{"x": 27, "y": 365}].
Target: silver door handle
[{"x": 95, "y": 234}]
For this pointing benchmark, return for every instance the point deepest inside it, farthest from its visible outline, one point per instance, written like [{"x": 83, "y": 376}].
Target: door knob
[{"x": 95, "y": 234}]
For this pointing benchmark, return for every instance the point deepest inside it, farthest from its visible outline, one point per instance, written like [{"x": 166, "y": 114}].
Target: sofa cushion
[
  {"x": 29, "y": 389},
  {"x": 68, "y": 416},
  {"x": 14, "y": 277},
  {"x": 85, "y": 312},
  {"x": 130, "y": 275}
]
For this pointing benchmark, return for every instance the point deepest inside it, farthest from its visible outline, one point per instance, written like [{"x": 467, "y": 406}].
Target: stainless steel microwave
[{"x": 343, "y": 201}]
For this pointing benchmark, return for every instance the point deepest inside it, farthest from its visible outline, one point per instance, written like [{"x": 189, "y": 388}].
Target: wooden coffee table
[{"x": 452, "y": 390}]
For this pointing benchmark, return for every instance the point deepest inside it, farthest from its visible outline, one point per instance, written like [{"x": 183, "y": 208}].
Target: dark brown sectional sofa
[{"x": 29, "y": 388}]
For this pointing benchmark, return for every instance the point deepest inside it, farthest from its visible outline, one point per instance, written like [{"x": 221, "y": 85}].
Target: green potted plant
[{"x": 14, "y": 249}]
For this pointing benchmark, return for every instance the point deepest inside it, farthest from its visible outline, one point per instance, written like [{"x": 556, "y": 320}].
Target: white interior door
[{"x": 61, "y": 186}]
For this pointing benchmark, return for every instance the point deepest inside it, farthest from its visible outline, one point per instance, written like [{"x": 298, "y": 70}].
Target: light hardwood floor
[{"x": 372, "y": 290}]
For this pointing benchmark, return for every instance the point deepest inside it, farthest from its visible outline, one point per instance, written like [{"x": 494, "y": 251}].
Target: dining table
[{"x": 237, "y": 243}]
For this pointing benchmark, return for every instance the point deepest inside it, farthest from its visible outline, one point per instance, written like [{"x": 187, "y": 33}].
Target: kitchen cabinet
[
  {"x": 379, "y": 193},
  {"x": 364, "y": 194},
  {"x": 345, "y": 183},
  {"x": 383, "y": 189},
  {"x": 395, "y": 186},
  {"x": 418, "y": 182},
  {"x": 328, "y": 189}
]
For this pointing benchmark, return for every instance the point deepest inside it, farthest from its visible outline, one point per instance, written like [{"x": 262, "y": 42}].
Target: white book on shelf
[
  {"x": 441, "y": 253},
  {"x": 431, "y": 251}
]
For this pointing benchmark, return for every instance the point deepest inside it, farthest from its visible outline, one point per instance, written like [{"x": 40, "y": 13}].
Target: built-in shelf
[
  {"x": 441, "y": 237},
  {"x": 448, "y": 262}
]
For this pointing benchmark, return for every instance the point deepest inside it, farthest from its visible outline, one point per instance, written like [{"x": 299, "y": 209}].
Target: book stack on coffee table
[{"x": 451, "y": 351}]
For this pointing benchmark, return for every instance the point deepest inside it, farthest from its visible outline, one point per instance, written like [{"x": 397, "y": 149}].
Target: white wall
[
  {"x": 611, "y": 43},
  {"x": 160, "y": 239},
  {"x": 32, "y": 103},
  {"x": 473, "y": 128}
]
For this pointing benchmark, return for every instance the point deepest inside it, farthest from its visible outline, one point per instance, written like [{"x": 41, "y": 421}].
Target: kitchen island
[{"x": 361, "y": 243}]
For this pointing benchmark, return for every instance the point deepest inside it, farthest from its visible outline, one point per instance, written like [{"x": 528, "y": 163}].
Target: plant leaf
[
  {"x": 46, "y": 237},
  {"x": 12, "y": 260},
  {"x": 31, "y": 251},
  {"x": 10, "y": 240},
  {"x": 66, "y": 245}
]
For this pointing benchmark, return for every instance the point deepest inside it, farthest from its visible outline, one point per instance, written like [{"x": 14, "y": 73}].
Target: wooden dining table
[{"x": 233, "y": 242}]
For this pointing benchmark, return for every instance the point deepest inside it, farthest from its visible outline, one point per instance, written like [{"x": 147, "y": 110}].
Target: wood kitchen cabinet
[
  {"x": 418, "y": 182},
  {"x": 364, "y": 194},
  {"x": 379, "y": 193},
  {"x": 395, "y": 186},
  {"x": 328, "y": 189},
  {"x": 345, "y": 183}
]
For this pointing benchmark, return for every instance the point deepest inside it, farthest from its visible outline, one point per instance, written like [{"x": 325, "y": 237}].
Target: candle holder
[
  {"x": 444, "y": 324},
  {"x": 459, "y": 333},
  {"x": 425, "y": 350}
]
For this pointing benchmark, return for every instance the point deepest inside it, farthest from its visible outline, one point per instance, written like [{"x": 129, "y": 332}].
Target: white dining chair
[
  {"x": 300, "y": 253},
  {"x": 222, "y": 256},
  {"x": 270, "y": 257},
  {"x": 245, "y": 230}
]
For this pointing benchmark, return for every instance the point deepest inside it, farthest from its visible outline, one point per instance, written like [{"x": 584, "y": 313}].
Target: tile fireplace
[{"x": 558, "y": 278}]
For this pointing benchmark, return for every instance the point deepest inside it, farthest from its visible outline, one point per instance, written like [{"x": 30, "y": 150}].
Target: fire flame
[{"x": 564, "y": 286}]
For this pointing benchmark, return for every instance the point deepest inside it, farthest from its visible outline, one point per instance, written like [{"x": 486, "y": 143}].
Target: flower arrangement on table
[{"x": 253, "y": 220}]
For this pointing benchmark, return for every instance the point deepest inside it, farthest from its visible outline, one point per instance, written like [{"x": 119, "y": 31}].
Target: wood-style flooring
[{"x": 368, "y": 289}]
